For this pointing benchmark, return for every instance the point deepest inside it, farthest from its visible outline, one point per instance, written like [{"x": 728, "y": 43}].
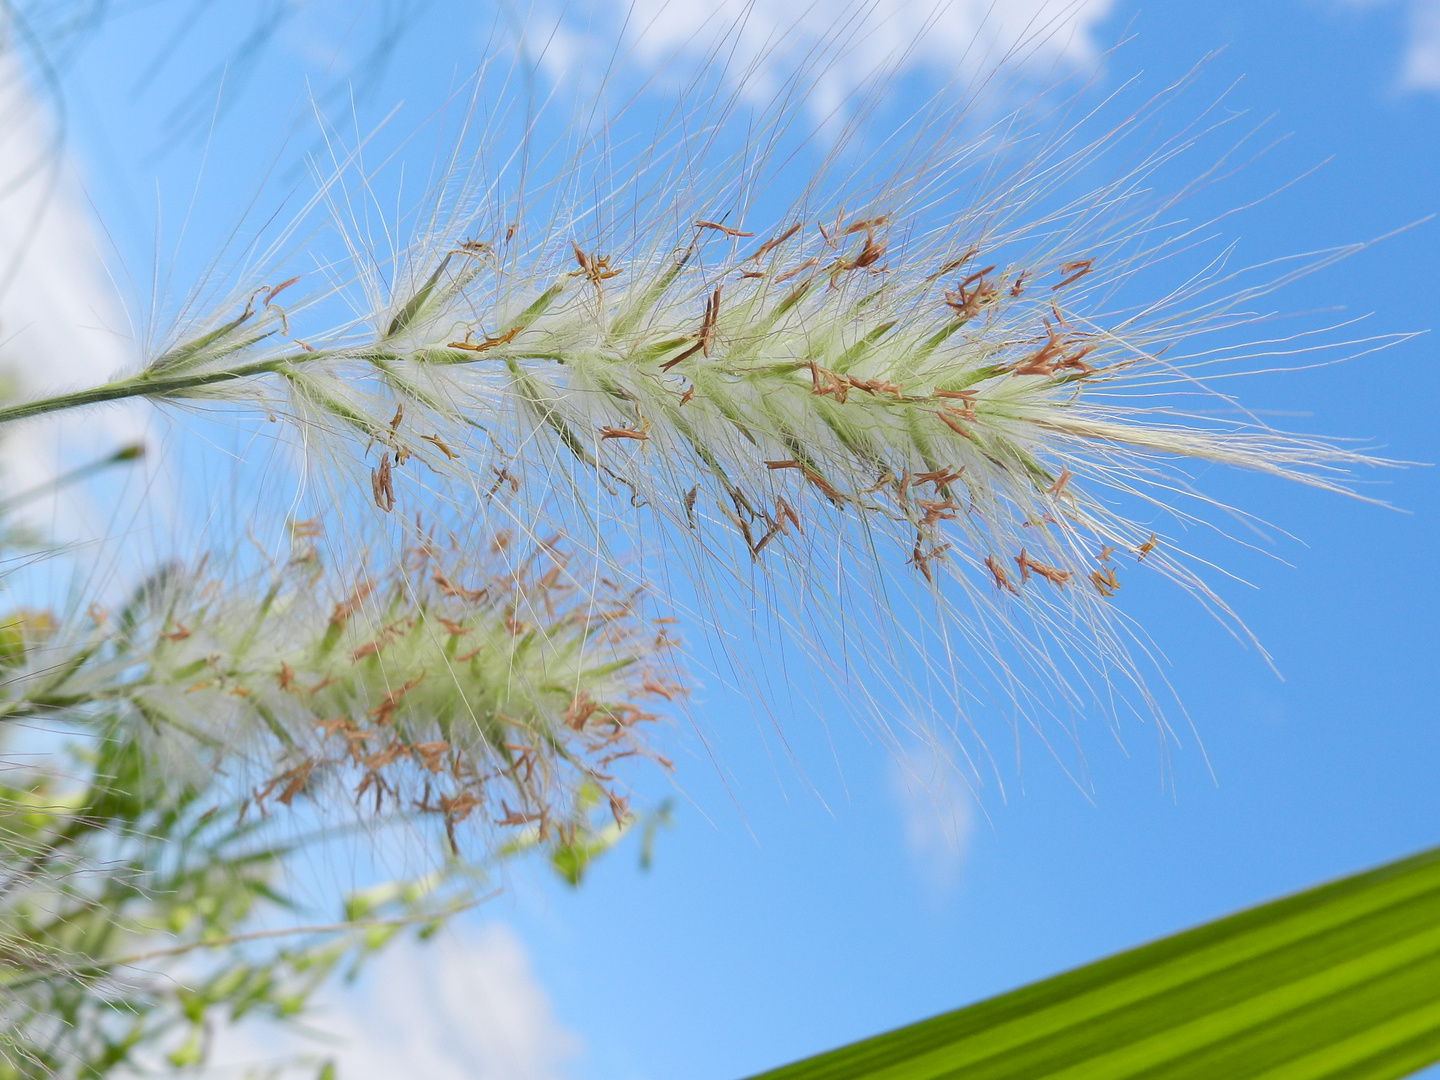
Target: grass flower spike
[
  {"x": 437, "y": 687},
  {"x": 944, "y": 389}
]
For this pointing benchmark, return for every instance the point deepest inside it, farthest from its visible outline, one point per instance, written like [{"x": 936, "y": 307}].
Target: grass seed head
[
  {"x": 940, "y": 378},
  {"x": 496, "y": 691}
]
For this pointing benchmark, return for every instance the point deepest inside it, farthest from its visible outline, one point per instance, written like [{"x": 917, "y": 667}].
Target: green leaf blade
[{"x": 1339, "y": 981}]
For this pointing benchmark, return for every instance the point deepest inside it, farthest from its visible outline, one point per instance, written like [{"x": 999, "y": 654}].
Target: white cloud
[
  {"x": 465, "y": 1006},
  {"x": 938, "y": 813},
  {"x": 1422, "y": 55},
  {"x": 843, "y": 43},
  {"x": 58, "y": 316},
  {"x": 1420, "y": 68}
]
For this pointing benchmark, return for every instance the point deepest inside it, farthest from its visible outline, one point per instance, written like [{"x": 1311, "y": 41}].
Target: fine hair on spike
[
  {"x": 474, "y": 679},
  {"x": 917, "y": 424}
]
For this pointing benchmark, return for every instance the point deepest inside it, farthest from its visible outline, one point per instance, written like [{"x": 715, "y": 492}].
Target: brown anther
[
  {"x": 824, "y": 381},
  {"x": 439, "y": 444},
  {"x": 337, "y": 726},
  {"x": 430, "y": 754},
  {"x": 639, "y": 434},
  {"x": 348, "y": 607},
  {"x": 870, "y": 253},
  {"x": 381, "y": 758},
  {"x": 865, "y": 225},
  {"x": 1049, "y": 573},
  {"x": 451, "y": 589},
  {"x": 456, "y": 809},
  {"x": 385, "y": 712},
  {"x": 294, "y": 780},
  {"x": 1105, "y": 581},
  {"x": 885, "y": 479},
  {"x": 1145, "y": 548},
  {"x": 967, "y": 304},
  {"x": 707, "y": 323},
  {"x": 370, "y": 648},
  {"x": 770, "y": 245},
  {"x": 277, "y": 290},
  {"x": 937, "y": 511},
  {"x": 784, "y": 512},
  {"x": 998, "y": 572},
  {"x": 875, "y": 386},
  {"x": 951, "y": 421},
  {"x": 514, "y": 817},
  {"x": 955, "y": 264},
  {"x": 595, "y": 268},
  {"x": 966, "y": 399},
  {"x": 502, "y": 477},
  {"x": 691, "y": 351},
  {"x": 1077, "y": 360},
  {"x": 706, "y": 337},
  {"x": 721, "y": 228},
  {"x": 793, "y": 271},
  {"x": 659, "y": 687},
  {"x": 619, "y": 808},
  {"x": 1074, "y": 271},
  {"x": 770, "y": 534},
  {"x": 381, "y": 485},
  {"x": 1058, "y": 487},
  {"x": 940, "y": 477},
  {"x": 582, "y": 708},
  {"x": 824, "y": 485},
  {"x": 922, "y": 560},
  {"x": 1043, "y": 361},
  {"x": 746, "y": 533},
  {"x": 489, "y": 342}
]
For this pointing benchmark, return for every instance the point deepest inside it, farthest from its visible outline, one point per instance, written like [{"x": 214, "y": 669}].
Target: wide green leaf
[{"x": 1340, "y": 981}]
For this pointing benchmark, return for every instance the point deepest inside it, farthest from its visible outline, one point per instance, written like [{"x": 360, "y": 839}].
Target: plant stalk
[{"x": 147, "y": 386}]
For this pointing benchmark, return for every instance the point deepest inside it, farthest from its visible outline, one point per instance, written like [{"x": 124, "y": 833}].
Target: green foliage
[
  {"x": 142, "y": 897},
  {"x": 571, "y": 856},
  {"x": 129, "y": 910},
  {"x": 1336, "y": 982}
]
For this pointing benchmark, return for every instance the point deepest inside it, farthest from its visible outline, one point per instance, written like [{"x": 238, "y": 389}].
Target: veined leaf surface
[{"x": 1339, "y": 981}]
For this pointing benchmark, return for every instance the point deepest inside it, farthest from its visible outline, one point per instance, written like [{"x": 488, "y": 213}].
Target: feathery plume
[
  {"x": 491, "y": 690},
  {"x": 950, "y": 380}
]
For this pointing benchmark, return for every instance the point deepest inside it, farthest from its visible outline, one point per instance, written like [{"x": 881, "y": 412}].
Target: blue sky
[{"x": 777, "y": 921}]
